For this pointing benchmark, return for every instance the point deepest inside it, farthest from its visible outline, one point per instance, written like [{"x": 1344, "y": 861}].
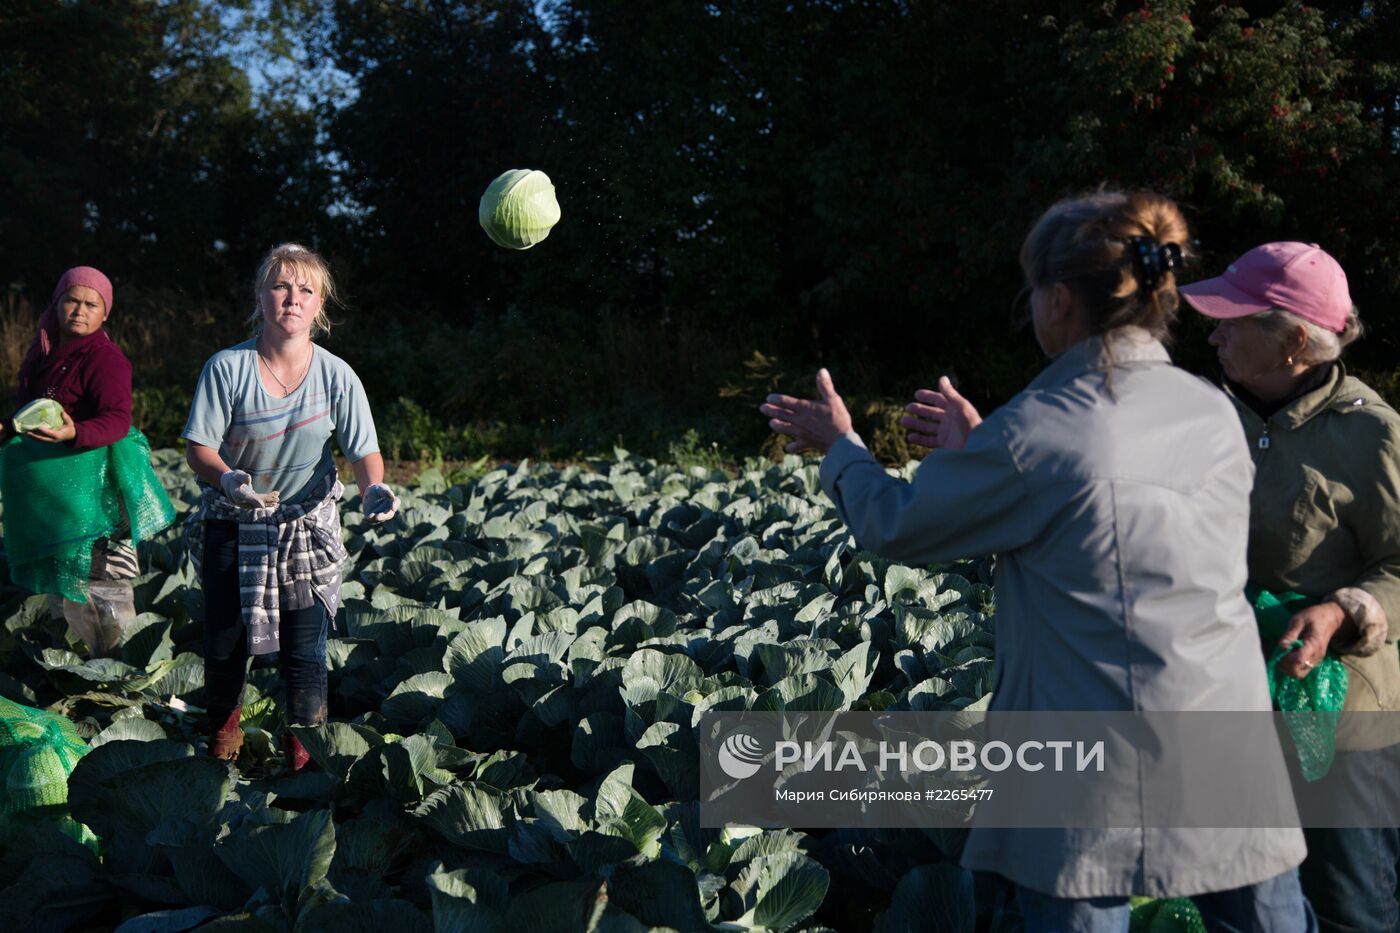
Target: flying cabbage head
[{"x": 519, "y": 208}]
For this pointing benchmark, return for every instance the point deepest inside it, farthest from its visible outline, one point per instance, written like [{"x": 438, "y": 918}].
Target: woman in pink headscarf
[{"x": 75, "y": 363}]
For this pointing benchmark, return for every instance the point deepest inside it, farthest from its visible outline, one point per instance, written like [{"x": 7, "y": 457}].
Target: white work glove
[
  {"x": 380, "y": 503},
  {"x": 238, "y": 486}
]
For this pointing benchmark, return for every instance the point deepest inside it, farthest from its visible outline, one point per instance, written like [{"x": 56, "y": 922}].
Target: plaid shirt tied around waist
[{"x": 288, "y": 556}]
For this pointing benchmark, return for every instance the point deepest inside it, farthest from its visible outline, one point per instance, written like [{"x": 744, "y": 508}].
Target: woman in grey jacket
[{"x": 1115, "y": 490}]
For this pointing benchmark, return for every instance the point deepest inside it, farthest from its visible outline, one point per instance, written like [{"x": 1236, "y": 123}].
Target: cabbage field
[{"x": 516, "y": 671}]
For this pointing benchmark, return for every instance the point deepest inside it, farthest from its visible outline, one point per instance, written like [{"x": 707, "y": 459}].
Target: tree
[{"x": 449, "y": 95}]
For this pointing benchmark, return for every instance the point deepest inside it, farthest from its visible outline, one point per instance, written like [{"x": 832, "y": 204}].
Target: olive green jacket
[{"x": 1325, "y": 522}]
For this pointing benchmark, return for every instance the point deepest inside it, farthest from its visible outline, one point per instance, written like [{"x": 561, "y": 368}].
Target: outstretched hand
[
  {"x": 811, "y": 423},
  {"x": 941, "y": 418},
  {"x": 238, "y": 486},
  {"x": 380, "y": 503}
]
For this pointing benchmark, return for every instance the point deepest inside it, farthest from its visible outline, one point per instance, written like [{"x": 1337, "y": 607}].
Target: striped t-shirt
[{"x": 283, "y": 443}]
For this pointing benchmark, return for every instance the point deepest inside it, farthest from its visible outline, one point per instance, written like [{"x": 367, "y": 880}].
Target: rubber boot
[
  {"x": 297, "y": 755},
  {"x": 225, "y": 736}
]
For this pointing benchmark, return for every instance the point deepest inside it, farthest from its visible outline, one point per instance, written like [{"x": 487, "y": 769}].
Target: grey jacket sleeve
[{"x": 961, "y": 503}]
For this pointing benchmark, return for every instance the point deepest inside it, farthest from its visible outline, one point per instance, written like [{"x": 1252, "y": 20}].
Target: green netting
[
  {"x": 1312, "y": 706},
  {"x": 1176, "y": 915},
  {"x": 38, "y": 750},
  {"x": 58, "y": 502},
  {"x": 1273, "y": 611}
]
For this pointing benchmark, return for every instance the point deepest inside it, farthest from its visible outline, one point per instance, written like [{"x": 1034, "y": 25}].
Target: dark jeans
[
  {"x": 1272, "y": 906},
  {"x": 1349, "y": 874},
  {"x": 301, "y": 633}
]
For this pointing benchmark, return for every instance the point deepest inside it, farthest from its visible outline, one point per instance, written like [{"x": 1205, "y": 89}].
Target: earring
[{"x": 1288, "y": 361}]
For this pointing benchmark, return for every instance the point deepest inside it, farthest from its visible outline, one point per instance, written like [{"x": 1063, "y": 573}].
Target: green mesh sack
[
  {"x": 38, "y": 750},
  {"x": 1176, "y": 915},
  {"x": 58, "y": 502},
  {"x": 1312, "y": 706},
  {"x": 1273, "y": 611}
]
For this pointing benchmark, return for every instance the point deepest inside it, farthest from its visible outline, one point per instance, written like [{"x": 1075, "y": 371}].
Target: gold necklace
[{"x": 286, "y": 389}]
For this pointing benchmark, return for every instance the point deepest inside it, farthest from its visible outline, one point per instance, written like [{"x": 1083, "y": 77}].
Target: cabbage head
[
  {"x": 40, "y": 413},
  {"x": 519, "y": 209}
]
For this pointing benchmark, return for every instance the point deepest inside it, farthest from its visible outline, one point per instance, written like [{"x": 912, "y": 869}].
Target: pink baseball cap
[{"x": 1296, "y": 277}]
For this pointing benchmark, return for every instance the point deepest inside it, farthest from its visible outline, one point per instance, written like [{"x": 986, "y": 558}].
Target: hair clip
[{"x": 1152, "y": 259}]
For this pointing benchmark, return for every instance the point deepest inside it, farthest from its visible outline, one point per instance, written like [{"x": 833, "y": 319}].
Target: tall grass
[{"x": 17, "y": 323}]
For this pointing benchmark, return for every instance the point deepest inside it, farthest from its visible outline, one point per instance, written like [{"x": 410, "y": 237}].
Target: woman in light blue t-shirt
[{"x": 266, "y": 536}]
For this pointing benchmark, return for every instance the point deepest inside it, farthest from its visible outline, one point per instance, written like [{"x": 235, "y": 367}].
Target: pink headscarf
[{"x": 47, "y": 337}]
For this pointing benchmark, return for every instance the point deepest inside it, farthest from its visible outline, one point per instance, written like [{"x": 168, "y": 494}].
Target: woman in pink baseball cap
[{"x": 1325, "y": 529}]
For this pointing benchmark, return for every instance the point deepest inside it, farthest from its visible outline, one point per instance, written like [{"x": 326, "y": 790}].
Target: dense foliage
[
  {"x": 518, "y": 666},
  {"x": 843, "y": 181}
]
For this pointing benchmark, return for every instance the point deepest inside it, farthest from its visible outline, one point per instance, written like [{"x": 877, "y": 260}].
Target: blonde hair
[
  {"x": 1087, "y": 243},
  {"x": 303, "y": 263}
]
